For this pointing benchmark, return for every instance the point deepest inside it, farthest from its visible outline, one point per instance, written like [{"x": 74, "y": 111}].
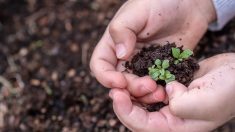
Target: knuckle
[{"x": 114, "y": 27}]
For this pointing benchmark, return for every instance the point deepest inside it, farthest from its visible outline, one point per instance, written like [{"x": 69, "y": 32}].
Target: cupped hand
[
  {"x": 147, "y": 21},
  {"x": 206, "y": 104}
]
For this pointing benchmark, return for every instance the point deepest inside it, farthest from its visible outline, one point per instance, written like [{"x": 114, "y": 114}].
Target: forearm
[{"x": 207, "y": 9}]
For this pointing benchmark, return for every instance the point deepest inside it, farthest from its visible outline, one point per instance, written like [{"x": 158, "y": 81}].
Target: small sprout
[
  {"x": 159, "y": 71},
  {"x": 180, "y": 56}
]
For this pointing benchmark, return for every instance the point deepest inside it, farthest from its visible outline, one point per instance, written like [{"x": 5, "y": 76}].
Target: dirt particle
[
  {"x": 35, "y": 82},
  {"x": 71, "y": 73},
  {"x": 112, "y": 122},
  {"x": 155, "y": 107}
]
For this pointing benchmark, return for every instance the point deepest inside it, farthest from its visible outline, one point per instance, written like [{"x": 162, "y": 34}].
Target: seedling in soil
[
  {"x": 180, "y": 56},
  {"x": 159, "y": 71},
  {"x": 163, "y": 71}
]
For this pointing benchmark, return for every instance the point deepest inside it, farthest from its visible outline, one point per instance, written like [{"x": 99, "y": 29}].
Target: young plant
[
  {"x": 159, "y": 71},
  {"x": 180, "y": 56}
]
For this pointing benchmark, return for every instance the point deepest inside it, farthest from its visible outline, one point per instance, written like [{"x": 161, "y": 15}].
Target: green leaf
[
  {"x": 168, "y": 74},
  {"x": 175, "y": 52},
  {"x": 165, "y": 64},
  {"x": 158, "y": 62},
  {"x": 162, "y": 72},
  {"x": 155, "y": 75},
  {"x": 186, "y": 54},
  {"x": 156, "y": 78},
  {"x": 170, "y": 79},
  {"x": 162, "y": 77},
  {"x": 152, "y": 70},
  {"x": 176, "y": 62}
]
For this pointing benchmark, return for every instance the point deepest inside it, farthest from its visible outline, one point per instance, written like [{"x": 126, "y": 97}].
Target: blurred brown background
[{"x": 45, "y": 82}]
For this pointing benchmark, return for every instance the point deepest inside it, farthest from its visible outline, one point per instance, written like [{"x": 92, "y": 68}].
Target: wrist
[{"x": 206, "y": 9}]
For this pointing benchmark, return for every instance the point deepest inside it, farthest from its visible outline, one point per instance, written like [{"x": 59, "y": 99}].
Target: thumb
[
  {"x": 175, "y": 89},
  {"x": 125, "y": 26},
  {"x": 176, "y": 93},
  {"x": 194, "y": 103}
]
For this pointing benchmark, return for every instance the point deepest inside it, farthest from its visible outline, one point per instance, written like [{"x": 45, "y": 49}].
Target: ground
[{"x": 45, "y": 81}]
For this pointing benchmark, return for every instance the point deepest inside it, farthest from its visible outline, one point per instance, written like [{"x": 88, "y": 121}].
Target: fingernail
[
  {"x": 169, "y": 89},
  {"x": 149, "y": 90},
  {"x": 120, "y": 51}
]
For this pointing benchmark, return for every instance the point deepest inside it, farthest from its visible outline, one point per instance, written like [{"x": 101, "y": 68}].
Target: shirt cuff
[{"x": 225, "y": 11}]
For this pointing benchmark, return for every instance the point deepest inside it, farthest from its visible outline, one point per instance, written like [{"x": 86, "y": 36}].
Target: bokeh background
[{"x": 45, "y": 81}]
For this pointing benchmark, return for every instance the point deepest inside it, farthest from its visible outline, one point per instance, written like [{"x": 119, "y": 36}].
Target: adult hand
[
  {"x": 206, "y": 104},
  {"x": 147, "y": 21}
]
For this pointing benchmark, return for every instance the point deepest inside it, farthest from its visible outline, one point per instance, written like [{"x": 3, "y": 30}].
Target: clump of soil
[{"x": 183, "y": 71}]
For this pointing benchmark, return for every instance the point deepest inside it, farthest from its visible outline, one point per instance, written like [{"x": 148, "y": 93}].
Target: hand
[
  {"x": 147, "y": 21},
  {"x": 206, "y": 104}
]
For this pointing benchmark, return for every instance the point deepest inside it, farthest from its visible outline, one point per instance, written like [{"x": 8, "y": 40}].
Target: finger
[
  {"x": 103, "y": 64},
  {"x": 124, "y": 108},
  {"x": 156, "y": 96},
  {"x": 140, "y": 86},
  {"x": 126, "y": 25},
  {"x": 132, "y": 116},
  {"x": 193, "y": 103},
  {"x": 175, "y": 91}
]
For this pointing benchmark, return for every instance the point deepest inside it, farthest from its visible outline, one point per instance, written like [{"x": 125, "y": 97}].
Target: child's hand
[
  {"x": 207, "y": 103},
  {"x": 147, "y": 21}
]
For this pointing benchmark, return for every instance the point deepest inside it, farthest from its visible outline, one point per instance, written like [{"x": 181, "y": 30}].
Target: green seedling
[
  {"x": 159, "y": 71},
  {"x": 180, "y": 56}
]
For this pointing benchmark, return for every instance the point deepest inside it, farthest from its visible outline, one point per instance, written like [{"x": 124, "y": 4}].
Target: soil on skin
[{"x": 183, "y": 71}]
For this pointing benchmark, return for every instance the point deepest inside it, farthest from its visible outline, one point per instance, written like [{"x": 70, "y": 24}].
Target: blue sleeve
[{"x": 225, "y": 11}]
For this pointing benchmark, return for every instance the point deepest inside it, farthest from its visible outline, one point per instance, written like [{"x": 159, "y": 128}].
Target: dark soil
[
  {"x": 155, "y": 107},
  {"x": 45, "y": 46},
  {"x": 183, "y": 71}
]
